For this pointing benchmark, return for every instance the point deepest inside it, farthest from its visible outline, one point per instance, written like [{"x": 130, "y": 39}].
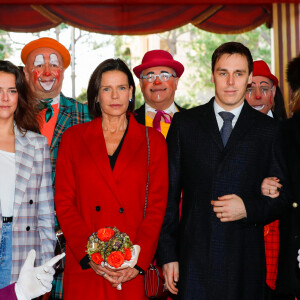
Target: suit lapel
[
  {"x": 134, "y": 139},
  {"x": 243, "y": 124},
  {"x": 209, "y": 121},
  {"x": 24, "y": 163},
  {"x": 62, "y": 122},
  {"x": 95, "y": 143}
]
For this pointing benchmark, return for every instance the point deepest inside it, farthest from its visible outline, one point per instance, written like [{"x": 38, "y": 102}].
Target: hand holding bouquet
[{"x": 112, "y": 248}]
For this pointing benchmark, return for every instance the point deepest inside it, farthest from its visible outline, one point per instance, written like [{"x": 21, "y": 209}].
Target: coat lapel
[
  {"x": 62, "y": 122},
  {"x": 209, "y": 121},
  {"x": 135, "y": 138},
  {"x": 244, "y": 122},
  {"x": 95, "y": 143},
  {"x": 24, "y": 163}
]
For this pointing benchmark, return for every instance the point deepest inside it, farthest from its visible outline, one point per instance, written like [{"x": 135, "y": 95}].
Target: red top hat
[
  {"x": 260, "y": 68},
  {"x": 156, "y": 58}
]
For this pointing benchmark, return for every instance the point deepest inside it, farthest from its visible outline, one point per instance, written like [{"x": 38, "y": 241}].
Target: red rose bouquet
[{"x": 110, "y": 247}]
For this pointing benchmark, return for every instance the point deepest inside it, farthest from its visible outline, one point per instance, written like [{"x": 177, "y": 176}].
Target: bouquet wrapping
[{"x": 112, "y": 248}]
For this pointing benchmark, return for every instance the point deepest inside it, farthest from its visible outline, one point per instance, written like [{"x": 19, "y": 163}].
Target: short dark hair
[
  {"x": 26, "y": 113},
  {"x": 232, "y": 48},
  {"x": 95, "y": 82},
  {"x": 293, "y": 73}
]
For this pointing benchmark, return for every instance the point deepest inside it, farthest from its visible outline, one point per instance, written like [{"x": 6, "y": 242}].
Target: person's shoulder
[
  {"x": 77, "y": 131},
  {"x": 36, "y": 138},
  {"x": 292, "y": 123},
  {"x": 193, "y": 113},
  {"x": 68, "y": 101}
]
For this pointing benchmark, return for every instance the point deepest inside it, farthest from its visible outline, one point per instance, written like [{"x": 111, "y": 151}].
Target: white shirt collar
[
  {"x": 270, "y": 114},
  {"x": 56, "y": 100},
  {"x": 172, "y": 109},
  {"x": 236, "y": 112}
]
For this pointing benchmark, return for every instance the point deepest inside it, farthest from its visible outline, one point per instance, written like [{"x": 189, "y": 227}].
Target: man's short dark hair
[{"x": 232, "y": 48}]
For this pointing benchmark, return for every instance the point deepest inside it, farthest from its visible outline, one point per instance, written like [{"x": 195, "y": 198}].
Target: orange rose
[
  {"x": 97, "y": 258},
  {"x": 104, "y": 234},
  {"x": 127, "y": 254},
  {"x": 115, "y": 259}
]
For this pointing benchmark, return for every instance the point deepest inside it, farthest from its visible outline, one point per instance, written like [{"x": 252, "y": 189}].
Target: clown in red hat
[
  {"x": 159, "y": 74},
  {"x": 262, "y": 91}
]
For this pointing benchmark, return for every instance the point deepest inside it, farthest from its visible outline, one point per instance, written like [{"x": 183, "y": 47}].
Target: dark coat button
[
  {"x": 121, "y": 210},
  {"x": 27, "y": 228},
  {"x": 30, "y": 201},
  {"x": 98, "y": 208}
]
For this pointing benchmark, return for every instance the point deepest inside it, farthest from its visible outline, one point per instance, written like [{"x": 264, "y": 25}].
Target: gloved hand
[
  {"x": 298, "y": 257},
  {"x": 34, "y": 282}
]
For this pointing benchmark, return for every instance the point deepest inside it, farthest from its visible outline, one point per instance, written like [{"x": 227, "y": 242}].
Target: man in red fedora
[
  {"x": 45, "y": 61},
  {"x": 159, "y": 74}
]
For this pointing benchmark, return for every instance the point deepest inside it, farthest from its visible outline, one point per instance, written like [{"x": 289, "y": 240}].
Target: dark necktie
[
  {"x": 157, "y": 118},
  {"x": 46, "y": 104},
  {"x": 227, "y": 126}
]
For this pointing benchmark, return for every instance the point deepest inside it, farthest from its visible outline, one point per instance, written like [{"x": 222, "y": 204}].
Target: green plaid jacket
[{"x": 71, "y": 112}]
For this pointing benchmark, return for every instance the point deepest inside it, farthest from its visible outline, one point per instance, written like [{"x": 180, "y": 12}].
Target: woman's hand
[
  {"x": 126, "y": 275},
  {"x": 270, "y": 186},
  {"x": 112, "y": 276}
]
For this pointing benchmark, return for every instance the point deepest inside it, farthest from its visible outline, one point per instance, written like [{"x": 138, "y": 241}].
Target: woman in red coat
[{"x": 101, "y": 176}]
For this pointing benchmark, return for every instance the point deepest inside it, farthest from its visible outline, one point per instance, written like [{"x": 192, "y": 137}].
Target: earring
[{"x": 130, "y": 100}]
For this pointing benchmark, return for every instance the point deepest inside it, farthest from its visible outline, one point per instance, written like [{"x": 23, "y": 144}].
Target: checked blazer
[
  {"x": 33, "y": 214},
  {"x": 71, "y": 112}
]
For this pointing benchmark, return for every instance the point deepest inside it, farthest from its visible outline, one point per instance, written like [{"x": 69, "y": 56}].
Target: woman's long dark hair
[
  {"x": 95, "y": 82},
  {"x": 25, "y": 115}
]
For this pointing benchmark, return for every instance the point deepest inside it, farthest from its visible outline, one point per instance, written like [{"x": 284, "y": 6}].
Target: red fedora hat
[
  {"x": 156, "y": 58},
  {"x": 260, "y": 68}
]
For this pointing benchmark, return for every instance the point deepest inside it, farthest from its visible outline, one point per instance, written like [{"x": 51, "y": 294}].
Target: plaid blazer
[
  {"x": 33, "y": 213},
  {"x": 71, "y": 112}
]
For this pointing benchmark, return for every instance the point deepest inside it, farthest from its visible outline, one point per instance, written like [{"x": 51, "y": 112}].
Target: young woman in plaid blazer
[{"x": 26, "y": 195}]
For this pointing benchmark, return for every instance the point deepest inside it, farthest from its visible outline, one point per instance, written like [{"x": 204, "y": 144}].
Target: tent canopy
[{"x": 135, "y": 16}]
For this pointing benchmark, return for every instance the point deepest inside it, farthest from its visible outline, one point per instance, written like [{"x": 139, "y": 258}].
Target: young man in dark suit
[
  {"x": 219, "y": 154},
  {"x": 159, "y": 74}
]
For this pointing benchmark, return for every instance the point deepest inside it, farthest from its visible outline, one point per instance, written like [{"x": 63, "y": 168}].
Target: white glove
[
  {"x": 298, "y": 257},
  {"x": 34, "y": 282}
]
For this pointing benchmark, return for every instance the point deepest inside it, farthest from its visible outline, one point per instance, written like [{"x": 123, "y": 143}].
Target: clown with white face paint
[
  {"x": 260, "y": 95},
  {"x": 40, "y": 68},
  {"x": 44, "y": 71},
  {"x": 45, "y": 62}
]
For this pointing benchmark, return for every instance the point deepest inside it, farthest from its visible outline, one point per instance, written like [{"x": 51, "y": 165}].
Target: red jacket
[{"x": 89, "y": 195}]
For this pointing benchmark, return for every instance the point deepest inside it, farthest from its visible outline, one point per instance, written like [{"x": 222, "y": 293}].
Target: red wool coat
[{"x": 89, "y": 195}]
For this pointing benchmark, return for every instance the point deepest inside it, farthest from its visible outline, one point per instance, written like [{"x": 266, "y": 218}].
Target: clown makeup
[
  {"x": 261, "y": 94},
  {"x": 44, "y": 72},
  {"x": 159, "y": 94}
]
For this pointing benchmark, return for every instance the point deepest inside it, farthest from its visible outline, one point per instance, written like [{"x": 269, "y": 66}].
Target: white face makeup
[
  {"x": 54, "y": 60},
  {"x": 40, "y": 61},
  {"x": 44, "y": 72}
]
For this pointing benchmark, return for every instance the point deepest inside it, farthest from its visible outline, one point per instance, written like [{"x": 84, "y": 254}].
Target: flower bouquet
[{"x": 112, "y": 248}]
